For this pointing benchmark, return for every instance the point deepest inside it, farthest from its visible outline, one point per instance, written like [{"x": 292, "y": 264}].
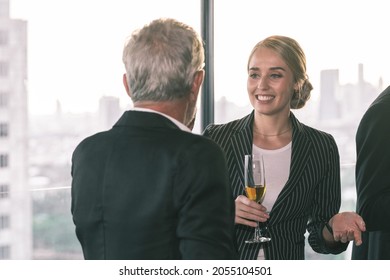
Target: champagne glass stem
[
  {"x": 257, "y": 233},
  {"x": 263, "y": 229}
]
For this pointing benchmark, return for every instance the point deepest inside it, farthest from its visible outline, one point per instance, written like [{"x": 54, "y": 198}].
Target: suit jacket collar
[
  {"x": 243, "y": 136},
  {"x": 301, "y": 149},
  {"x": 144, "y": 119}
]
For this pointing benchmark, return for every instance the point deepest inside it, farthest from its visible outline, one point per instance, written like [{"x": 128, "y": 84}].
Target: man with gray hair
[{"x": 148, "y": 188}]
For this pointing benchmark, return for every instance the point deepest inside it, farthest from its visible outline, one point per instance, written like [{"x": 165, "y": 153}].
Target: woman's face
[{"x": 270, "y": 82}]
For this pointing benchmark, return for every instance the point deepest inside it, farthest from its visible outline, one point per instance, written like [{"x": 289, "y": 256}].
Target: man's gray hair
[{"x": 161, "y": 60}]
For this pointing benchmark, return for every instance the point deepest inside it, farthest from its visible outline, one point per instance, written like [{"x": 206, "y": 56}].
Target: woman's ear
[{"x": 296, "y": 87}]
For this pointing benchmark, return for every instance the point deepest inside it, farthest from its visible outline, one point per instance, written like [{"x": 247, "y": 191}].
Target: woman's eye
[{"x": 274, "y": 76}]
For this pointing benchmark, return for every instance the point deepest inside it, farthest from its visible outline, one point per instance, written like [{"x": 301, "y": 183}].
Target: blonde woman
[{"x": 302, "y": 163}]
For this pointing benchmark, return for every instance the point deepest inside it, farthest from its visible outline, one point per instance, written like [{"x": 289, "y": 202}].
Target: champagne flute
[{"x": 255, "y": 188}]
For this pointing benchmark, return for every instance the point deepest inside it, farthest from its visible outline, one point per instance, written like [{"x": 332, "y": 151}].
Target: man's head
[
  {"x": 164, "y": 62},
  {"x": 161, "y": 60}
]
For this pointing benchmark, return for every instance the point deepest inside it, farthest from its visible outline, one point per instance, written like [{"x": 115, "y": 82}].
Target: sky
[{"x": 75, "y": 46}]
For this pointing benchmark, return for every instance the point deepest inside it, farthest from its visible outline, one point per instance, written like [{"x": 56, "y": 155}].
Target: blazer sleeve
[
  {"x": 373, "y": 167},
  {"x": 206, "y": 206},
  {"x": 327, "y": 199}
]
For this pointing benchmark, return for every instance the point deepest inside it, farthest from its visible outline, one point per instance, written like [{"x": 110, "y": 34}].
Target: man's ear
[
  {"x": 198, "y": 81},
  {"x": 126, "y": 85}
]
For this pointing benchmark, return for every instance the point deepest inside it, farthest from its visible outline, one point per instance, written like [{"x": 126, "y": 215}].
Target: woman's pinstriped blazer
[{"x": 311, "y": 195}]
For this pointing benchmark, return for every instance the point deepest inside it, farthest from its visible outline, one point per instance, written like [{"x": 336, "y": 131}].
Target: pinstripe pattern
[{"x": 311, "y": 195}]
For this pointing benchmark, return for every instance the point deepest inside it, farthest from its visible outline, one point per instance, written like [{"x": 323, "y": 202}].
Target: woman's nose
[{"x": 261, "y": 83}]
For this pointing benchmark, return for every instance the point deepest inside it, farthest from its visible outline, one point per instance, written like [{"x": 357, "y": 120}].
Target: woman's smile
[{"x": 264, "y": 98}]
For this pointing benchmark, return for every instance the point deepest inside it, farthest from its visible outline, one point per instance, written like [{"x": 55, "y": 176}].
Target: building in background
[
  {"x": 109, "y": 111},
  {"x": 15, "y": 200},
  {"x": 345, "y": 103},
  {"x": 329, "y": 108}
]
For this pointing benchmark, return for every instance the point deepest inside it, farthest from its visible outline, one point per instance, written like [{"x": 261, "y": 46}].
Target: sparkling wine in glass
[{"x": 255, "y": 188}]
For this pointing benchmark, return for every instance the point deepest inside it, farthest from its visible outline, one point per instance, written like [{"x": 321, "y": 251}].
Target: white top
[{"x": 277, "y": 170}]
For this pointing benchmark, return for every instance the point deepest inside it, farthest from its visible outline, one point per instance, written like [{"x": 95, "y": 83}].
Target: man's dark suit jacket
[
  {"x": 373, "y": 179},
  {"x": 147, "y": 190}
]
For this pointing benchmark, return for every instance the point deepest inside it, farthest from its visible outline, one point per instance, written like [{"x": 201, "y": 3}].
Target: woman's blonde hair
[{"x": 292, "y": 54}]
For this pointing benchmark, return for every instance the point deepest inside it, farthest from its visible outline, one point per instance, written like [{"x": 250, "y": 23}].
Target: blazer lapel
[
  {"x": 300, "y": 151},
  {"x": 241, "y": 142}
]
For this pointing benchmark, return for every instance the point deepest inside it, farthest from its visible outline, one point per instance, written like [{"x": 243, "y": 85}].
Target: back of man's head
[{"x": 161, "y": 60}]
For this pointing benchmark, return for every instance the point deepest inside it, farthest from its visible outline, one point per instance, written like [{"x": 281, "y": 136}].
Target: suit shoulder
[
  {"x": 374, "y": 123},
  {"x": 319, "y": 136},
  {"x": 379, "y": 109},
  {"x": 232, "y": 126},
  {"x": 93, "y": 142}
]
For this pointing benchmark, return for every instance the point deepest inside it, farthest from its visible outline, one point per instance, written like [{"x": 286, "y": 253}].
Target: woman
[{"x": 302, "y": 163}]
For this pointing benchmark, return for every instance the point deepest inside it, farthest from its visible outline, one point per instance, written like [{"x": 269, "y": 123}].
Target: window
[
  {"x": 233, "y": 43},
  {"x": 3, "y": 99},
  {"x": 4, "y": 222},
  {"x": 3, "y": 37},
  {"x": 5, "y": 252},
  {"x": 4, "y": 191},
  {"x": 4, "y": 69},
  {"x": 3, "y": 130},
  {"x": 3, "y": 160}
]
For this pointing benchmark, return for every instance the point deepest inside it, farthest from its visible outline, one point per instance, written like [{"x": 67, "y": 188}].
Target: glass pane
[
  {"x": 53, "y": 230},
  {"x": 74, "y": 90},
  {"x": 347, "y": 49}
]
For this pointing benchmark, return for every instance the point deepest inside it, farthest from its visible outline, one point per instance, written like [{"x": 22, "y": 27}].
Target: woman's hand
[
  {"x": 347, "y": 226},
  {"x": 249, "y": 212}
]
